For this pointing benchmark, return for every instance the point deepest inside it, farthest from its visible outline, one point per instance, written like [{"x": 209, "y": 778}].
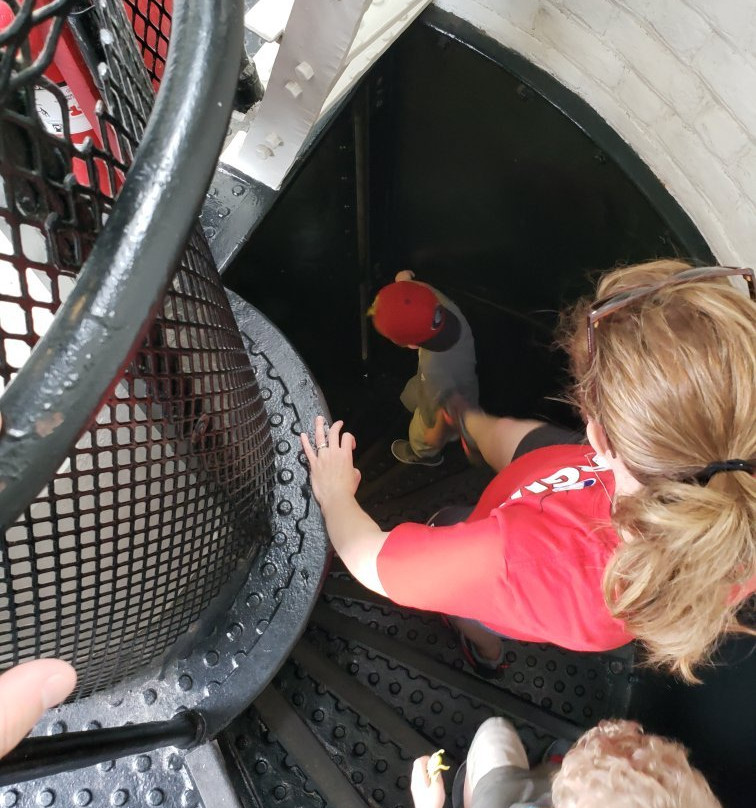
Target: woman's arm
[{"x": 355, "y": 536}]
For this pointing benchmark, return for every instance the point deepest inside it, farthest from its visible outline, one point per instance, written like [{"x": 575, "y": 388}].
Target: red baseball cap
[{"x": 407, "y": 313}]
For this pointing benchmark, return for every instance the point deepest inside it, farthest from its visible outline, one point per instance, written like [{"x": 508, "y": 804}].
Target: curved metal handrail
[{"x": 73, "y": 367}]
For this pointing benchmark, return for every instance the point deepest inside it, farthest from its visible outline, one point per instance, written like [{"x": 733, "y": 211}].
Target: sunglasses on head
[{"x": 613, "y": 303}]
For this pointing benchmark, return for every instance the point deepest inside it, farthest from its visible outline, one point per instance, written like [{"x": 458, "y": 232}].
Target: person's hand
[
  {"x": 404, "y": 275},
  {"x": 426, "y": 792},
  {"x": 26, "y": 691},
  {"x": 332, "y": 472}
]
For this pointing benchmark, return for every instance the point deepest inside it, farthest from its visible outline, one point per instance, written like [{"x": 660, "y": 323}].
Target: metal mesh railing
[
  {"x": 161, "y": 497},
  {"x": 151, "y": 22}
]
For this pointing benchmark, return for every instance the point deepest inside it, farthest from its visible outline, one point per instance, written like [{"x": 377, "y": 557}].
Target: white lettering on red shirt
[{"x": 570, "y": 478}]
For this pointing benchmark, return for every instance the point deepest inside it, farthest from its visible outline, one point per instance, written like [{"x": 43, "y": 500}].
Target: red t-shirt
[{"x": 527, "y": 563}]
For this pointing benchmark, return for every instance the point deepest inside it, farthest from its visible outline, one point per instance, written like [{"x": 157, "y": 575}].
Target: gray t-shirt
[
  {"x": 508, "y": 787},
  {"x": 513, "y": 787},
  {"x": 441, "y": 372}
]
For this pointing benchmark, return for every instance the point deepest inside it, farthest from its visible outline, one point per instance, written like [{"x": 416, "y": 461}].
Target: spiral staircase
[{"x": 304, "y": 688}]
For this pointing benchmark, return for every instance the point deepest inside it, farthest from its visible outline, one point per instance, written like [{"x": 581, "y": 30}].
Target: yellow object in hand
[{"x": 436, "y": 765}]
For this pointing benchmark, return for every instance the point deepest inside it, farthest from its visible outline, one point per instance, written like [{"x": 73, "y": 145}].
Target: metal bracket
[{"x": 325, "y": 49}]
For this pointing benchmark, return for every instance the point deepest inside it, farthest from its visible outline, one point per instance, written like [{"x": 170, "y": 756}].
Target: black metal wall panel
[{"x": 485, "y": 187}]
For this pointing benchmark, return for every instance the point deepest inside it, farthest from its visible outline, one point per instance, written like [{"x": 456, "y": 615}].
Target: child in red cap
[{"x": 414, "y": 315}]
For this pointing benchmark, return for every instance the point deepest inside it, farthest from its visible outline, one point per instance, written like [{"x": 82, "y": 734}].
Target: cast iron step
[{"x": 372, "y": 685}]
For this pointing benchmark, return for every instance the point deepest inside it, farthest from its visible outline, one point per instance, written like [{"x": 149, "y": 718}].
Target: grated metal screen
[
  {"x": 151, "y": 22},
  {"x": 167, "y": 492}
]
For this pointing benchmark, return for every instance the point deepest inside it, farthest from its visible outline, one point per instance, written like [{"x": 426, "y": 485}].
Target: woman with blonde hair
[
  {"x": 667, "y": 376},
  {"x": 648, "y": 533}
]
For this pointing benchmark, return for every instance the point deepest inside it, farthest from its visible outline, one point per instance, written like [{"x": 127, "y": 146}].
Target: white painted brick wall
[
  {"x": 675, "y": 78},
  {"x": 635, "y": 94},
  {"x": 579, "y": 43},
  {"x": 599, "y": 17},
  {"x": 661, "y": 68},
  {"x": 681, "y": 27},
  {"x": 732, "y": 76},
  {"x": 734, "y": 19},
  {"x": 724, "y": 135}
]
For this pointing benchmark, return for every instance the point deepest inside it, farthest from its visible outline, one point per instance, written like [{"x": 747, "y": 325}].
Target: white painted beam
[{"x": 326, "y": 48}]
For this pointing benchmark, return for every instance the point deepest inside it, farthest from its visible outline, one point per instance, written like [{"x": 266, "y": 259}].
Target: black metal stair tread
[
  {"x": 601, "y": 682},
  {"x": 370, "y": 702},
  {"x": 282, "y": 720},
  {"x": 500, "y": 700},
  {"x": 302, "y": 743},
  {"x": 379, "y": 714},
  {"x": 339, "y": 584}
]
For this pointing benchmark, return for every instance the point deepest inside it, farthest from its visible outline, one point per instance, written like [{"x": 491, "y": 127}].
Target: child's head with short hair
[
  {"x": 671, "y": 382},
  {"x": 616, "y": 765}
]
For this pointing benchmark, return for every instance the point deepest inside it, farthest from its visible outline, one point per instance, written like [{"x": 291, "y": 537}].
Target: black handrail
[
  {"x": 47, "y": 755},
  {"x": 73, "y": 367}
]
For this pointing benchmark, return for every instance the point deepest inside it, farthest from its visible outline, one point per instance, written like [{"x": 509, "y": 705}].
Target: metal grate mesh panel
[
  {"x": 162, "y": 497},
  {"x": 151, "y": 22}
]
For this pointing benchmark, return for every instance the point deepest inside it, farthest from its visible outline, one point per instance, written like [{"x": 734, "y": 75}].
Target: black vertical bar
[{"x": 362, "y": 213}]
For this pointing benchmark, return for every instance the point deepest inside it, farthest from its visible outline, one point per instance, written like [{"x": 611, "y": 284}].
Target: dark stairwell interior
[{"x": 460, "y": 161}]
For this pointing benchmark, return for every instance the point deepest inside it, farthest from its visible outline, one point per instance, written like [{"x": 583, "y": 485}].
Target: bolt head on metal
[
  {"x": 273, "y": 139},
  {"x": 294, "y": 88},
  {"x": 304, "y": 71},
  {"x": 263, "y": 151}
]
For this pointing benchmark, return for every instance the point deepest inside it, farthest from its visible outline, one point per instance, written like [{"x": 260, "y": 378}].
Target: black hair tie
[{"x": 702, "y": 477}]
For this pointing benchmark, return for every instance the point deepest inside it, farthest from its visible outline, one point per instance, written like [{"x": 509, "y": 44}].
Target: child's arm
[{"x": 354, "y": 535}]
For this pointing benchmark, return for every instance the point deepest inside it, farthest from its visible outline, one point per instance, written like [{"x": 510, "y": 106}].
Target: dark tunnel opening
[
  {"x": 447, "y": 162},
  {"x": 458, "y": 161}
]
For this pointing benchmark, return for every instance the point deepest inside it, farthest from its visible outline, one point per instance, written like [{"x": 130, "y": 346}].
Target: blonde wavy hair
[
  {"x": 615, "y": 764},
  {"x": 673, "y": 384}
]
